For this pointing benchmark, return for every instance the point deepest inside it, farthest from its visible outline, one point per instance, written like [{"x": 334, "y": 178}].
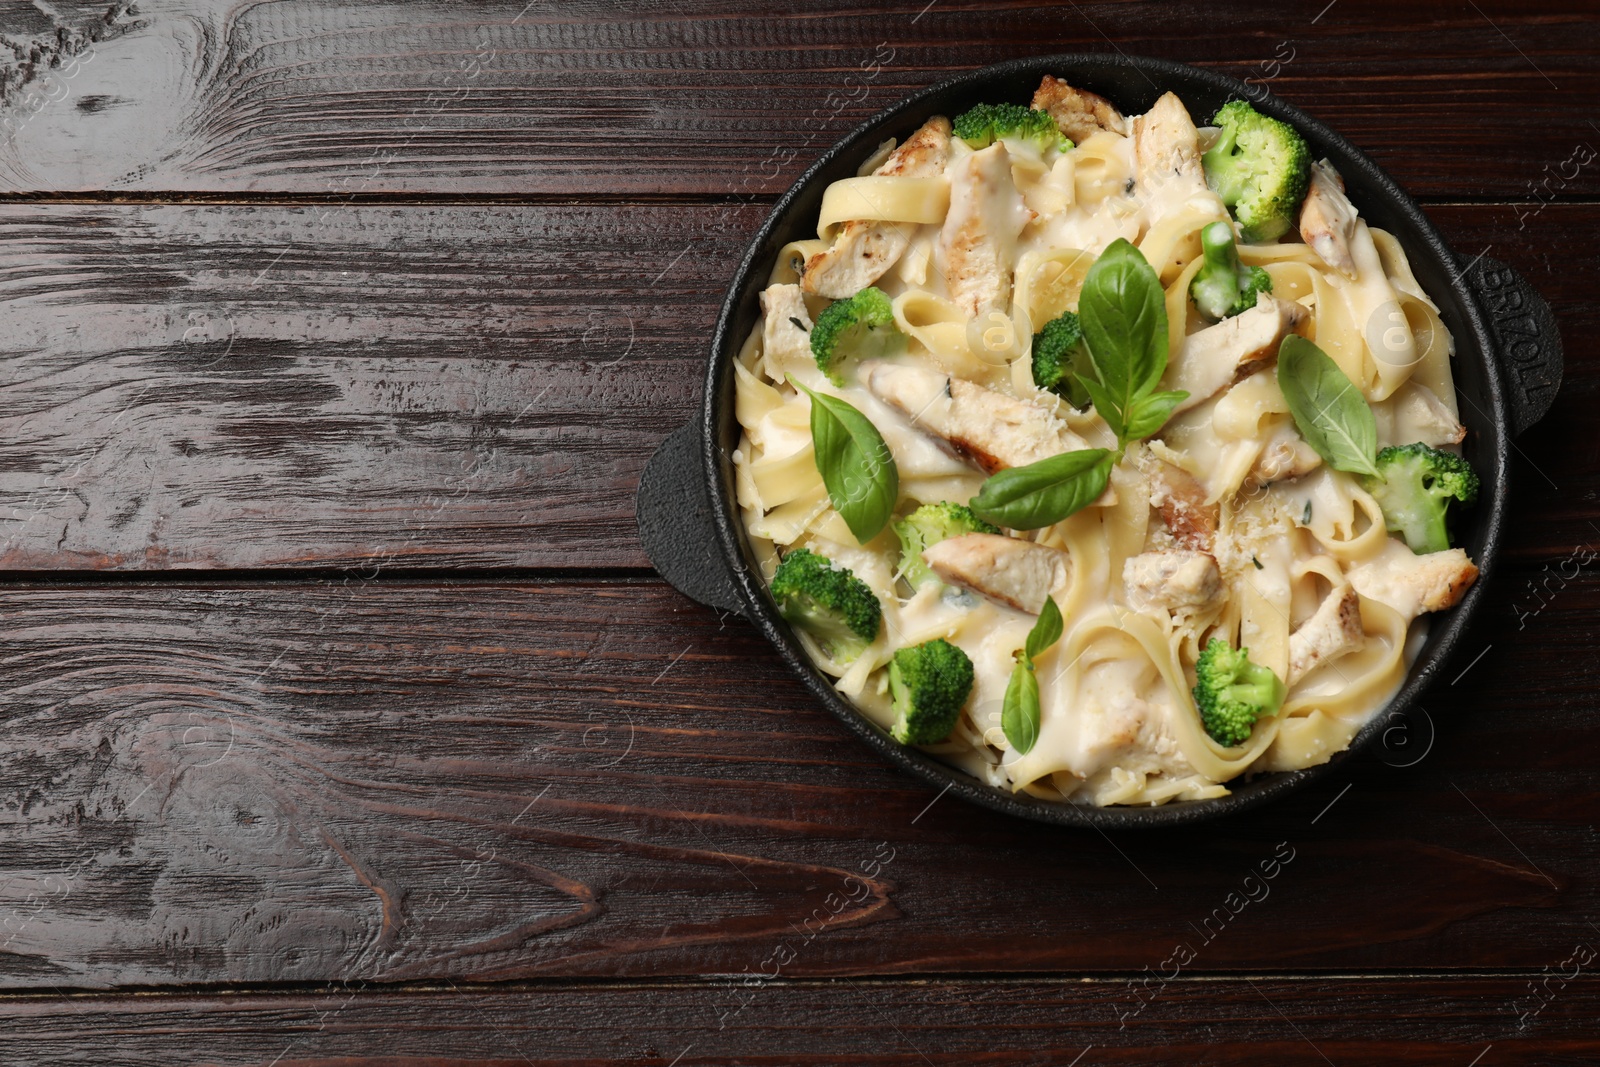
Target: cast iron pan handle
[
  {"x": 674, "y": 512},
  {"x": 1527, "y": 339}
]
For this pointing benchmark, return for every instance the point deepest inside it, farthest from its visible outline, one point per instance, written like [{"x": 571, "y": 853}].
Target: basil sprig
[
  {"x": 856, "y": 466},
  {"x": 1328, "y": 409},
  {"x": 1043, "y": 493},
  {"x": 1123, "y": 312},
  {"x": 1046, "y": 630},
  {"x": 1019, "y": 714}
]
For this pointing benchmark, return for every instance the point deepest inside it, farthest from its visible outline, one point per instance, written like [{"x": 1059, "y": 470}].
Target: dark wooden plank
[
  {"x": 1557, "y": 486},
  {"x": 579, "y": 96},
  {"x": 1372, "y": 1022},
  {"x": 375, "y": 782},
  {"x": 241, "y": 387},
  {"x": 224, "y": 386}
]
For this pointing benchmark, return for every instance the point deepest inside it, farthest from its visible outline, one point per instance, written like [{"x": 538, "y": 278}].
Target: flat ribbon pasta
[
  {"x": 1173, "y": 243},
  {"x": 878, "y": 198},
  {"x": 1281, "y": 535},
  {"x": 1140, "y": 649},
  {"x": 1048, "y": 283},
  {"x": 792, "y": 260},
  {"x": 1319, "y": 721},
  {"x": 1101, "y": 166},
  {"x": 935, "y": 323}
]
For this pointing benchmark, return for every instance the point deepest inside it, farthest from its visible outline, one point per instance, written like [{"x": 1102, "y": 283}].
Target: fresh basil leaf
[
  {"x": 1329, "y": 411},
  {"x": 1123, "y": 311},
  {"x": 1151, "y": 412},
  {"x": 1043, "y": 493},
  {"x": 1105, "y": 404},
  {"x": 1019, "y": 714},
  {"x": 855, "y": 463},
  {"x": 1046, "y": 631}
]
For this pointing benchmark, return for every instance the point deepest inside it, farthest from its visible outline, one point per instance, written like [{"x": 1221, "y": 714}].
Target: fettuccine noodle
[{"x": 1228, "y": 478}]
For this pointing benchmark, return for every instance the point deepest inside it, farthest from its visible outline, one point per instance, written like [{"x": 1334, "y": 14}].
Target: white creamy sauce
[{"x": 1114, "y": 727}]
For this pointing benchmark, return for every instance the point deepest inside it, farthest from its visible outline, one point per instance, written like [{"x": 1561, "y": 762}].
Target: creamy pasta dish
[{"x": 1107, "y": 457}]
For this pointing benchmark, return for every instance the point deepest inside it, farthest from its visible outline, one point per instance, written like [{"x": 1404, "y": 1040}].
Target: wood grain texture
[
  {"x": 221, "y": 386},
  {"x": 245, "y": 387},
  {"x": 578, "y": 96},
  {"x": 387, "y": 781},
  {"x": 1216, "y": 1023},
  {"x": 401, "y": 786},
  {"x": 447, "y": 386}
]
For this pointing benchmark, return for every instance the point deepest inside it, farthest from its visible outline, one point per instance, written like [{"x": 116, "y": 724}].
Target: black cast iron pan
[{"x": 1507, "y": 370}]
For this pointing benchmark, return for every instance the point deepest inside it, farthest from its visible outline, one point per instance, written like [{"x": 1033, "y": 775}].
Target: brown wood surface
[
  {"x": 414, "y": 288},
  {"x": 1206, "y": 1023},
  {"x": 388, "y": 781},
  {"x": 193, "y": 386},
  {"x": 211, "y": 386},
  {"x": 508, "y": 97}
]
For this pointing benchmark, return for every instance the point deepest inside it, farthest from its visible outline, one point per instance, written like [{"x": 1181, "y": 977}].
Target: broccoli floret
[
  {"x": 1261, "y": 169},
  {"x": 861, "y": 327},
  {"x": 1223, "y": 287},
  {"x": 928, "y": 525},
  {"x": 1416, "y": 489},
  {"x": 986, "y": 122},
  {"x": 829, "y": 602},
  {"x": 1232, "y": 693},
  {"x": 929, "y": 683},
  {"x": 1059, "y": 356}
]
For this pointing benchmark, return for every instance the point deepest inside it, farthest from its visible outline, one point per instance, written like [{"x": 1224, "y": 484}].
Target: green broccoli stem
[
  {"x": 1216, "y": 286},
  {"x": 1254, "y": 690},
  {"x": 1224, "y": 287},
  {"x": 1216, "y": 242},
  {"x": 1225, "y": 173},
  {"x": 1424, "y": 528}
]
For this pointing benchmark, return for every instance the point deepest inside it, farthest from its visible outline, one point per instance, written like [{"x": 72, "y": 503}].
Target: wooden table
[{"x": 346, "y": 723}]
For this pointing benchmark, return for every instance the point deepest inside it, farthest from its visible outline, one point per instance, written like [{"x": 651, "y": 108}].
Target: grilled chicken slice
[
  {"x": 923, "y": 155},
  {"x": 1166, "y": 147},
  {"x": 1285, "y": 455},
  {"x": 1171, "y": 580},
  {"x": 1328, "y": 219},
  {"x": 1419, "y": 415},
  {"x": 1181, "y": 499},
  {"x": 1211, "y": 359},
  {"x": 1412, "y": 584},
  {"x": 991, "y": 430},
  {"x": 978, "y": 245},
  {"x": 1077, "y": 112},
  {"x": 864, "y": 250},
  {"x": 785, "y": 328},
  {"x": 1018, "y": 574},
  {"x": 1332, "y": 631}
]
